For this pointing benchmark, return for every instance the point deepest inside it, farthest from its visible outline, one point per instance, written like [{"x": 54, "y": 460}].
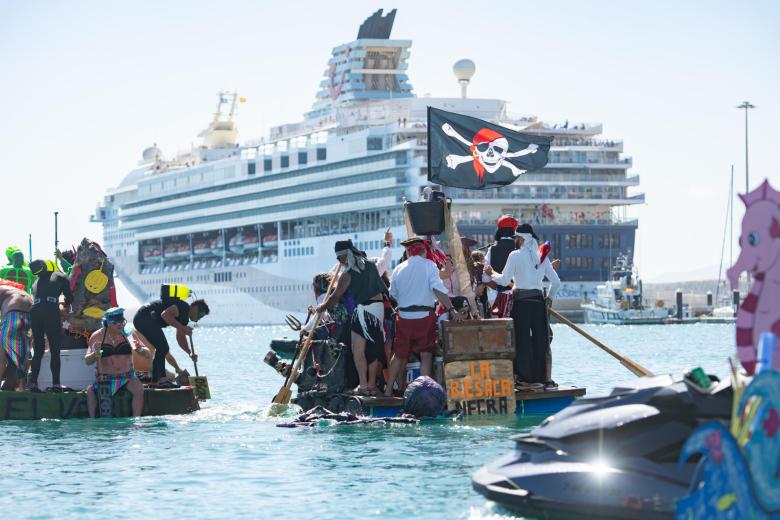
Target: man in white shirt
[
  {"x": 528, "y": 309},
  {"x": 416, "y": 285}
]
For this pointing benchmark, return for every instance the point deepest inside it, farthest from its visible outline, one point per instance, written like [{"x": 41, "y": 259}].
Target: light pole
[{"x": 747, "y": 106}]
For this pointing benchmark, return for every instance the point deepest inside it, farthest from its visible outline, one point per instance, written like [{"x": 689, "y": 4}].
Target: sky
[{"x": 85, "y": 86}]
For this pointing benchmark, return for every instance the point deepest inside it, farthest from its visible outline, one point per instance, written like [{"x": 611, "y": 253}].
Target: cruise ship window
[
  {"x": 267, "y": 164},
  {"x": 251, "y": 168},
  {"x": 303, "y": 157},
  {"x": 322, "y": 154},
  {"x": 285, "y": 161}
]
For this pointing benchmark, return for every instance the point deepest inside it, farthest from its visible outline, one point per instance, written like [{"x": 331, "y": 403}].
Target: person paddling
[
  {"x": 152, "y": 318},
  {"x": 527, "y": 307}
]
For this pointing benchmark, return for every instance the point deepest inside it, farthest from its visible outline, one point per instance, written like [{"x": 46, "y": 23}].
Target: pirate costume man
[
  {"x": 416, "y": 285},
  {"x": 496, "y": 258},
  {"x": 361, "y": 278},
  {"x": 528, "y": 306}
]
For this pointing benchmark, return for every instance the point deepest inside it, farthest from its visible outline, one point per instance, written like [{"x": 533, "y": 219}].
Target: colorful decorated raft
[
  {"x": 73, "y": 405},
  {"x": 476, "y": 372}
]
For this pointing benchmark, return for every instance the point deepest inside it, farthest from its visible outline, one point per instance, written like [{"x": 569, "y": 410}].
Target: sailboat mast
[
  {"x": 731, "y": 216},
  {"x": 727, "y": 232}
]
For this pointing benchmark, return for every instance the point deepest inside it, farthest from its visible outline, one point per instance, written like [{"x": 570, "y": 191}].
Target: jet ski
[{"x": 608, "y": 457}]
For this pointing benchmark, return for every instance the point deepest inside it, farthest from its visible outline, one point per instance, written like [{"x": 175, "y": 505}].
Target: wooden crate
[
  {"x": 480, "y": 387},
  {"x": 478, "y": 339}
]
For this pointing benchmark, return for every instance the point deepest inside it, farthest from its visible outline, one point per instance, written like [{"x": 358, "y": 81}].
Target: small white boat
[
  {"x": 619, "y": 301},
  {"x": 723, "y": 314}
]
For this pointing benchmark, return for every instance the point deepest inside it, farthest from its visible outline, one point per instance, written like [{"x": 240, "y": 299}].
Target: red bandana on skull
[{"x": 485, "y": 135}]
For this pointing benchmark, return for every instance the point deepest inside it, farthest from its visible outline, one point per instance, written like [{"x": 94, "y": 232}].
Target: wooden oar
[
  {"x": 285, "y": 394},
  {"x": 630, "y": 364},
  {"x": 199, "y": 384}
]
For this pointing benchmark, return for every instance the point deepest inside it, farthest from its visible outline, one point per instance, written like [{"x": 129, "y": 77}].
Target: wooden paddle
[
  {"x": 199, "y": 384},
  {"x": 285, "y": 394},
  {"x": 633, "y": 366}
]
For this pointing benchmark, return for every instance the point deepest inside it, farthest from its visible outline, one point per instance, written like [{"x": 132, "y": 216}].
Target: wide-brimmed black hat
[
  {"x": 468, "y": 242},
  {"x": 412, "y": 240},
  {"x": 343, "y": 245},
  {"x": 526, "y": 228}
]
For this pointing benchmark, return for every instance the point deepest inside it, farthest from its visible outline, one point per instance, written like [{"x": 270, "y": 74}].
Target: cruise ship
[{"x": 246, "y": 226}]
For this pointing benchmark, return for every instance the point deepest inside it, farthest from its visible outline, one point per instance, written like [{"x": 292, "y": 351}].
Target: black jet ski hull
[
  {"x": 575, "y": 490},
  {"x": 607, "y": 457}
]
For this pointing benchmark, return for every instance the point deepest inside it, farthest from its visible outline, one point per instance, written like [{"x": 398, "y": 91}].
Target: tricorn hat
[
  {"x": 343, "y": 245},
  {"x": 412, "y": 240},
  {"x": 468, "y": 242}
]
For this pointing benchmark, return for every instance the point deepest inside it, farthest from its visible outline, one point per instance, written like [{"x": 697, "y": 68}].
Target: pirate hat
[
  {"x": 468, "y": 242},
  {"x": 343, "y": 245},
  {"x": 526, "y": 228},
  {"x": 412, "y": 240},
  {"x": 506, "y": 221}
]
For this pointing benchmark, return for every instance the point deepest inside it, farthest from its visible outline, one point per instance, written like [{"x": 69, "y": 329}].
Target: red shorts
[{"x": 414, "y": 336}]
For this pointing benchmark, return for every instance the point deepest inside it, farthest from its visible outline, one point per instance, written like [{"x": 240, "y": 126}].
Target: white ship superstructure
[{"x": 246, "y": 226}]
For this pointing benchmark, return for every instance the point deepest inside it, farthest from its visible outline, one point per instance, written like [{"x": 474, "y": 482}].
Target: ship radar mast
[
  {"x": 222, "y": 131},
  {"x": 464, "y": 70}
]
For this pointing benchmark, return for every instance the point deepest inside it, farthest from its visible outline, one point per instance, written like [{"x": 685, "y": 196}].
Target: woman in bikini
[{"x": 114, "y": 352}]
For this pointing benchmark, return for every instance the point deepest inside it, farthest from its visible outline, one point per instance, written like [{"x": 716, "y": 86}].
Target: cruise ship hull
[{"x": 256, "y": 293}]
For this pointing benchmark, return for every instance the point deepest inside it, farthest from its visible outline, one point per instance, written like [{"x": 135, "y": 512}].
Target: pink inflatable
[{"x": 760, "y": 256}]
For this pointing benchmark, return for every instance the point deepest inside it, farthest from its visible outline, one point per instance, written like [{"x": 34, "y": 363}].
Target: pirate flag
[{"x": 466, "y": 152}]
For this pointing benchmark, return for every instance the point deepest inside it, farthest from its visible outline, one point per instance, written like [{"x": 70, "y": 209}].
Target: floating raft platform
[
  {"x": 540, "y": 404},
  {"x": 73, "y": 405}
]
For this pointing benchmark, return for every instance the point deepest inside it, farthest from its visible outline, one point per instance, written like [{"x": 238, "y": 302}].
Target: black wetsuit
[
  {"x": 149, "y": 322},
  {"x": 45, "y": 319}
]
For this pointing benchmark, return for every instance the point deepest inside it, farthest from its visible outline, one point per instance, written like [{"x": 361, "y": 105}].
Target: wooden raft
[{"x": 72, "y": 405}]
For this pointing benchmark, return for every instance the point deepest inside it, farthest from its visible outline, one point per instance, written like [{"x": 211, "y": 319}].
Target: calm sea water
[{"x": 229, "y": 459}]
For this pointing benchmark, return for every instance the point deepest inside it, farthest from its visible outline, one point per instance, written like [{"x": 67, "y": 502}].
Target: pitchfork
[{"x": 293, "y": 322}]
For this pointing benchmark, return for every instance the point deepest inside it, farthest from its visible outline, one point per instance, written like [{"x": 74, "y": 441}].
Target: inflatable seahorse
[
  {"x": 738, "y": 477},
  {"x": 760, "y": 256}
]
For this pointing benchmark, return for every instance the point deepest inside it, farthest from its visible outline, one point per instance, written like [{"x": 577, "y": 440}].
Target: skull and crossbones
[{"x": 489, "y": 151}]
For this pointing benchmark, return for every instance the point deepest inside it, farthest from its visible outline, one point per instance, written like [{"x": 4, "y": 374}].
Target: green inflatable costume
[{"x": 17, "y": 269}]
